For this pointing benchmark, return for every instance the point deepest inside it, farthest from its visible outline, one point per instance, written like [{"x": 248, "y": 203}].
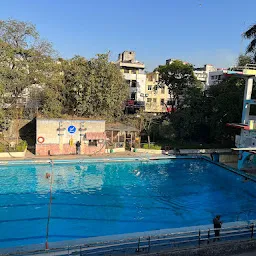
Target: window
[
  {"x": 163, "y": 90},
  {"x": 133, "y": 95},
  {"x": 128, "y": 82},
  {"x": 149, "y": 100},
  {"x": 93, "y": 143},
  {"x": 162, "y": 102},
  {"x": 212, "y": 77},
  {"x": 134, "y": 83},
  {"x": 154, "y": 100},
  {"x": 149, "y": 87},
  {"x": 126, "y": 71},
  {"x": 134, "y": 71},
  {"x": 219, "y": 78}
]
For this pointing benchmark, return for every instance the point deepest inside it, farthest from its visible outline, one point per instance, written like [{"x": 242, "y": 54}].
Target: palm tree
[{"x": 251, "y": 34}]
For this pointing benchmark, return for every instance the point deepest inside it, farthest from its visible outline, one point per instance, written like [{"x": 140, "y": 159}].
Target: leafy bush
[
  {"x": 2, "y": 148},
  {"x": 21, "y": 146},
  {"x": 157, "y": 147}
]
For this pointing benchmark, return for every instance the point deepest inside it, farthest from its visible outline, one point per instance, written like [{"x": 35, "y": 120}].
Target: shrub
[
  {"x": 21, "y": 146},
  {"x": 157, "y": 147},
  {"x": 2, "y": 148}
]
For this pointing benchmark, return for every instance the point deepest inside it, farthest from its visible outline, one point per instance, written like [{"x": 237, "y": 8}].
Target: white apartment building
[
  {"x": 202, "y": 74},
  {"x": 215, "y": 77},
  {"x": 134, "y": 75}
]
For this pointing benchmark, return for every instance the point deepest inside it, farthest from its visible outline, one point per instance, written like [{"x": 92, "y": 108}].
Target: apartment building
[
  {"x": 215, "y": 77},
  {"x": 157, "y": 99},
  {"x": 202, "y": 74},
  {"x": 135, "y": 77}
]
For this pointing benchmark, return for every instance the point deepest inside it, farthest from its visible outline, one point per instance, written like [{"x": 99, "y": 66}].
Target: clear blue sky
[{"x": 155, "y": 29}]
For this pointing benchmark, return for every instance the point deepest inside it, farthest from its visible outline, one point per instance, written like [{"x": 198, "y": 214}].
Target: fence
[{"x": 153, "y": 243}]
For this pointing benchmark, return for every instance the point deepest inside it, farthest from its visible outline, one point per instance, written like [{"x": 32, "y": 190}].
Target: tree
[
  {"x": 147, "y": 123},
  {"x": 177, "y": 76},
  {"x": 94, "y": 87},
  {"x": 190, "y": 121},
  {"x": 26, "y": 63},
  {"x": 243, "y": 60},
  {"x": 227, "y": 102},
  {"x": 251, "y": 35}
]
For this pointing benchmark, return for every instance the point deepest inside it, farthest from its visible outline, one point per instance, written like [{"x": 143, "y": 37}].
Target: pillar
[
  {"x": 112, "y": 136},
  {"x": 124, "y": 138},
  {"x": 247, "y": 96}
]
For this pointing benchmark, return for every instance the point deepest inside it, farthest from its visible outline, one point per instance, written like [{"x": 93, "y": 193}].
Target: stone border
[{"x": 13, "y": 154}]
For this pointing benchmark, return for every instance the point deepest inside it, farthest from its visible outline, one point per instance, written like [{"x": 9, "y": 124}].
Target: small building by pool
[{"x": 60, "y": 136}]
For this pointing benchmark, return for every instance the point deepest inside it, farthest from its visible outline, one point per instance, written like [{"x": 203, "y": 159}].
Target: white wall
[
  {"x": 141, "y": 82},
  {"x": 215, "y": 77},
  {"x": 48, "y": 128}
]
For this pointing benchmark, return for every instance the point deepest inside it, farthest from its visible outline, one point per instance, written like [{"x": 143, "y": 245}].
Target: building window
[
  {"x": 212, "y": 77},
  {"x": 134, "y": 83},
  {"x": 149, "y": 100},
  {"x": 219, "y": 77},
  {"x": 93, "y": 143},
  {"x": 163, "y": 90},
  {"x": 134, "y": 71},
  {"x": 149, "y": 87},
  {"x": 126, "y": 71},
  {"x": 162, "y": 102},
  {"x": 128, "y": 82},
  {"x": 133, "y": 95},
  {"x": 154, "y": 100}
]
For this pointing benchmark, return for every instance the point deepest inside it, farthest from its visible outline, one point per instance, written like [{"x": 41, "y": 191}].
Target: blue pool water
[{"x": 99, "y": 199}]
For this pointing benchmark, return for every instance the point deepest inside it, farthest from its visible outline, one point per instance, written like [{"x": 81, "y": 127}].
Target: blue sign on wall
[{"x": 71, "y": 129}]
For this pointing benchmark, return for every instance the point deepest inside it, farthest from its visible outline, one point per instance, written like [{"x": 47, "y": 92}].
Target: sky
[{"x": 197, "y": 31}]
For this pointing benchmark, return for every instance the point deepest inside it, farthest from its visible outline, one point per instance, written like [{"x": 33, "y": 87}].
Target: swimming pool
[{"x": 97, "y": 199}]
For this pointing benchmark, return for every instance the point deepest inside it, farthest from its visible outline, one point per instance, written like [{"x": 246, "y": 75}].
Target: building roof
[
  {"x": 70, "y": 119},
  {"x": 120, "y": 127}
]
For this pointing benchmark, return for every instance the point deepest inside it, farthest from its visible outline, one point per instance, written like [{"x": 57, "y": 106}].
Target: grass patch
[{"x": 157, "y": 147}]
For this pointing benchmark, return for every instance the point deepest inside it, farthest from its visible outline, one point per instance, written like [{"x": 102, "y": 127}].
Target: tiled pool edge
[
  {"x": 95, "y": 160},
  {"x": 236, "y": 171},
  {"x": 114, "y": 239}
]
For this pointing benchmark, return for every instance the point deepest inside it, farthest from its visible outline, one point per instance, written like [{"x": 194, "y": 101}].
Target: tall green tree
[
  {"x": 227, "y": 101},
  {"x": 94, "y": 87},
  {"x": 251, "y": 35},
  {"x": 26, "y": 62},
  {"x": 178, "y": 77},
  {"x": 244, "y": 59}
]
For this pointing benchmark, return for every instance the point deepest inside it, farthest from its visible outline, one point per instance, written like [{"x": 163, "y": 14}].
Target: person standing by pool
[
  {"x": 217, "y": 226},
  {"x": 78, "y": 147}
]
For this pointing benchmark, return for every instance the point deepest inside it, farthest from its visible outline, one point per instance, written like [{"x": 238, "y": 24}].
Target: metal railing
[
  {"x": 247, "y": 66},
  {"x": 154, "y": 243}
]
